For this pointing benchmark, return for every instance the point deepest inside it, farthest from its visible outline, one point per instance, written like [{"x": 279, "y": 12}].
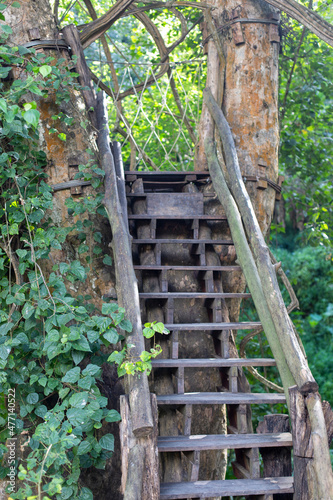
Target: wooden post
[
  {"x": 303, "y": 448},
  {"x": 277, "y": 461},
  {"x": 139, "y": 464}
]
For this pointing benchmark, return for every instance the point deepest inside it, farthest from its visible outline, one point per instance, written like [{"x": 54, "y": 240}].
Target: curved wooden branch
[
  {"x": 91, "y": 31},
  {"x": 307, "y": 17}
]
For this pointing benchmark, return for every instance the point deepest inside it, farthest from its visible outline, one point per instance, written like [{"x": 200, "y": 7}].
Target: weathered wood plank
[
  {"x": 188, "y": 268},
  {"x": 179, "y": 241},
  {"x": 248, "y": 325},
  {"x": 177, "y": 217},
  {"x": 231, "y": 487},
  {"x": 222, "y": 441},
  {"x": 220, "y": 398},
  {"x": 277, "y": 461},
  {"x": 175, "y": 204},
  {"x": 212, "y": 362},
  {"x": 194, "y": 295}
]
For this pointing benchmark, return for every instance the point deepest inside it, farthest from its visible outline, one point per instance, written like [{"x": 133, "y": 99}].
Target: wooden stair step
[
  {"x": 212, "y": 362},
  {"x": 194, "y": 295},
  {"x": 230, "y": 487},
  {"x": 178, "y": 217},
  {"x": 223, "y": 442},
  {"x": 181, "y": 241},
  {"x": 246, "y": 325},
  {"x": 230, "y": 398},
  {"x": 187, "y": 268}
]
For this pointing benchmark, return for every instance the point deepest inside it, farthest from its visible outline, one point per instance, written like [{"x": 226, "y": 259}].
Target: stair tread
[
  {"x": 187, "y": 268},
  {"x": 246, "y": 325},
  {"x": 193, "y": 295},
  {"x": 188, "y": 240},
  {"x": 212, "y": 362},
  {"x": 221, "y": 441},
  {"x": 230, "y": 487},
  {"x": 220, "y": 398},
  {"x": 182, "y": 217}
]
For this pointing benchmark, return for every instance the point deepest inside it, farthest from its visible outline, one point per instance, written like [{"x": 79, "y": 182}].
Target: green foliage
[
  {"x": 310, "y": 272},
  {"x": 306, "y": 133},
  {"x": 129, "y": 365},
  {"x": 50, "y": 339}
]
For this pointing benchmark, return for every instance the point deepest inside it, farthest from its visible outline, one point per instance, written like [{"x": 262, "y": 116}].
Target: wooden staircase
[{"x": 160, "y": 201}]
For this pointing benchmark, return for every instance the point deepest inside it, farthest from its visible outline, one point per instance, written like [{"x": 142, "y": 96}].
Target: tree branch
[
  {"x": 91, "y": 31},
  {"x": 307, "y": 17}
]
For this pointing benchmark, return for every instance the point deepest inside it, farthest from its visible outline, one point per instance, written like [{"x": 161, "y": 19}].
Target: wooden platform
[
  {"x": 223, "y": 442},
  {"x": 187, "y": 268},
  {"x": 228, "y": 398},
  {"x": 194, "y": 295},
  {"x": 153, "y": 241},
  {"x": 237, "y": 487},
  {"x": 248, "y": 325},
  {"x": 212, "y": 362}
]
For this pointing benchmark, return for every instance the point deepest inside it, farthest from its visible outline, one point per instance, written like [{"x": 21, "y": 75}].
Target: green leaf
[
  {"x": 85, "y": 494},
  {"x": 72, "y": 375},
  {"x": 32, "y": 117},
  {"x": 84, "y": 447},
  {"x": 33, "y": 398},
  {"x": 78, "y": 270},
  {"x": 148, "y": 333},
  {"x": 91, "y": 370},
  {"x": 82, "y": 345},
  {"x": 27, "y": 310},
  {"x": 6, "y": 29},
  {"x": 77, "y": 356},
  {"x": 5, "y": 328},
  {"x": 92, "y": 336},
  {"x": 107, "y": 442},
  {"x": 126, "y": 325},
  {"x": 117, "y": 357},
  {"x": 45, "y": 70},
  {"x": 107, "y": 260},
  {"x": 79, "y": 400},
  {"x": 111, "y": 336},
  {"x": 41, "y": 411},
  {"x": 16, "y": 5},
  {"x": 3, "y": 105},
  {"x": 158, "y": 327},
  {"x": 62, "y": 136},
  {"x": 113, "y": 416},
  {"x": 4, "y": 351}
]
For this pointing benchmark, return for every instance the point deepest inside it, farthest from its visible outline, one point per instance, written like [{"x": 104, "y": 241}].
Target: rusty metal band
[
  {"x": 246, "y": 178},
  {"x": 47, "y": 44},
  {"x": 244, "y": 20}
]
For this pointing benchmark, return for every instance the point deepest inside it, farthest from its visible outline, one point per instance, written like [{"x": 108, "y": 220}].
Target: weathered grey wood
[
  {"x": 180, "y": 241},
  {"x": 177, "y": 217},
  {"x": 127, "y": 288},
  {"x": 231, "y": 487},
  {"x": 140, "y": 480},
  {"x": 246, "y": 398},
  {"x": 70, "y": 184},
  {"x": 194, "y": 295},
  {"x": 213, "y": 326},
  {"x": 303, "y": 447},
  {"x": 224, "y": 441},
  {"x": 72, "y": 37},
  {"x": 179, "y": 204},
  {"x": 277, "y": 461},
  {"x": 284, "y": 329},
  {"x": 246, "y": 260},
  {"x": 188, "y": 268},
  {"x": 118, "y": 163},
  {"x": 195, "y": 466},
  {"x": 212, "y": 362}
]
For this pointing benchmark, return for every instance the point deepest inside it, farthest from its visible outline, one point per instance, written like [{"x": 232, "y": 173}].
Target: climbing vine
[{"x": 51, "y": 340}]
